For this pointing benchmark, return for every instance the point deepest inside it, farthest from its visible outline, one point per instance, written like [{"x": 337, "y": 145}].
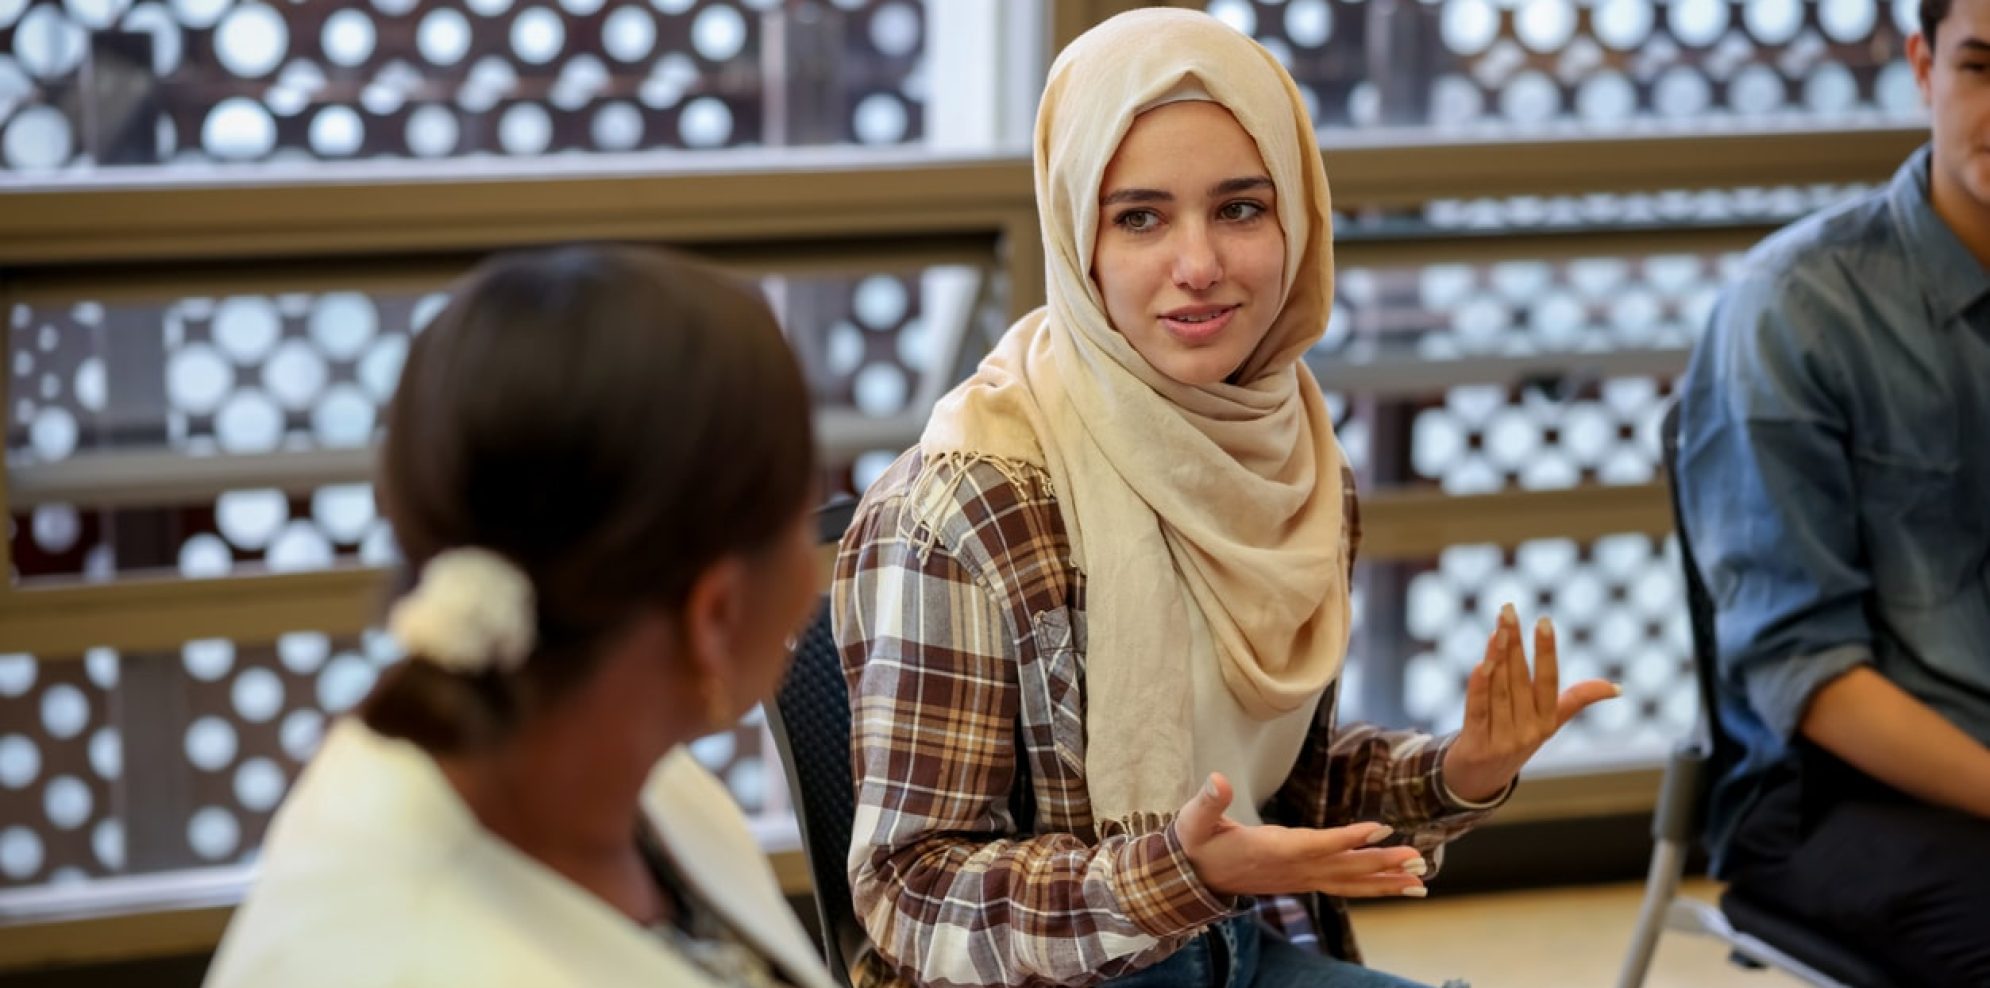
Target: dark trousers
[{"x": 1902, "y": 882}]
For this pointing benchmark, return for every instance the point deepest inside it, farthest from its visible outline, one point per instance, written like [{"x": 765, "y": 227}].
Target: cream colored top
[
  {"x": 1255, "y": 754},
  {"x": 375, "y": 873}
]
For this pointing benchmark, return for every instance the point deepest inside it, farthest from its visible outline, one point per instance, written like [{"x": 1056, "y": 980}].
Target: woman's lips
[{"x": 1198, "y": 325}]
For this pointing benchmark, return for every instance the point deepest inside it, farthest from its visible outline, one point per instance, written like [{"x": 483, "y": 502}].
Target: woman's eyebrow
[
  {"x": 1137, "y": 195},
  {"x": 1232, "y": 186},
  {"x": 1229, "y": 186}
]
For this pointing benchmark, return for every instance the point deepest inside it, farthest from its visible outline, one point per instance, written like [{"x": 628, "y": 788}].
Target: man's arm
[{"x": 1883, "y": 731}]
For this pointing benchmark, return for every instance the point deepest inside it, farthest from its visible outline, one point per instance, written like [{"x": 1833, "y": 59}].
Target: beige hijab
[{"x": 1208, "y": 521}]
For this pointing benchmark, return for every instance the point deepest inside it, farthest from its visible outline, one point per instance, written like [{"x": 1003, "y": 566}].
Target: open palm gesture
[{"x": 1510, "y": 713}]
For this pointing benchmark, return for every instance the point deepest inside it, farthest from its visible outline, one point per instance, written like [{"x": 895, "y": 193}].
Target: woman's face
[{"x": 1189, "y": 257}]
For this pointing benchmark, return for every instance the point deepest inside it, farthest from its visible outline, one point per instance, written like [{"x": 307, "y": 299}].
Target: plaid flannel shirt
[{"x": 960, "y": 620}]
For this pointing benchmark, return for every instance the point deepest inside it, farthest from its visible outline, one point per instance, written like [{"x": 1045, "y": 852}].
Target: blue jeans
[{"x": 1241, "y": 953}]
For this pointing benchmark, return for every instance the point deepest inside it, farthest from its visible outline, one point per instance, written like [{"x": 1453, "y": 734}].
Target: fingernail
[
  {"x": 1616, "y": 689},
  {"x": 1416, "y": 891},
  {"x": 1507, "y": 613},
  {"x": 1381, "y": 834},
  {"x": 1543, "y": 626},
  {"x": 1416, "y": 866},
  {"x": 1209, "y": 787}
]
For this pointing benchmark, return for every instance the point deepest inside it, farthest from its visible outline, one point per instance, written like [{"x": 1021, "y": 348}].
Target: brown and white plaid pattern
[{"x": 961, "y": 623}]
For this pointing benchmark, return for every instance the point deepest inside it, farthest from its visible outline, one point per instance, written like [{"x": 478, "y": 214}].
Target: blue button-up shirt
[{"x": 1835, "y": 473}]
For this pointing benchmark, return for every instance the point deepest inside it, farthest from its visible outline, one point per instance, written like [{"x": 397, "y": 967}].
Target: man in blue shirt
[{"x": 1835, "y": 481}]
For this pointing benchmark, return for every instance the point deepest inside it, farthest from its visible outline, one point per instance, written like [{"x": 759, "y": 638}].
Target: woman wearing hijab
[
  {"x": 1094, "y": 621},
  {"x": 599, "y": 462}
]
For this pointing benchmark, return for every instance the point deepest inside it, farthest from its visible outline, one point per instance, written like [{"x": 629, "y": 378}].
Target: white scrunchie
[{"x": 472, "y": 611}]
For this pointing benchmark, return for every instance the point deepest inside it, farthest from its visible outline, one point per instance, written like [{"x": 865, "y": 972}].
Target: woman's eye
[
  {"x": 1137, "y": 220},
  {"x": 1241, "y": 211}
]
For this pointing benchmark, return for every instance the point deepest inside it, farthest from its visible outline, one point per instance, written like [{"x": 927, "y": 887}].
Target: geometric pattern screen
[
  {"x": 1491, "y": 66},
  {"x": 264, "y": 374},
  {"x": 312, "y": 80},
  {"x": 94, "y": 784},
  {"x": 198, "y": 81}
]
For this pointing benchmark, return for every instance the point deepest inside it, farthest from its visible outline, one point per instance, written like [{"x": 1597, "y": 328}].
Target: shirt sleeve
[
  {"x": 1766, "y": 489},
  {"x": 946, "y": 889}
]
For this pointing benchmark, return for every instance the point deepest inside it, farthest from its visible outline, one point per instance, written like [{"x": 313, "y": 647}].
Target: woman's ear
[{"x": 714, "y": 612}]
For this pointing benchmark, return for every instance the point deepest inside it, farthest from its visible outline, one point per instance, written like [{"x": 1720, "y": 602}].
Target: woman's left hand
[{"x": 1510, "y": 714}]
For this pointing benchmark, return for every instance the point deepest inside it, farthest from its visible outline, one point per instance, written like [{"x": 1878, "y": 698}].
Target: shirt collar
[{"x": 1951, "y": 276}]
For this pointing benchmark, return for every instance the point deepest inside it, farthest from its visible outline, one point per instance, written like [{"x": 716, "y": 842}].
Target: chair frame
[
  {"x": 834, "y": 920},
  {"x": 1680, "y": 817}
]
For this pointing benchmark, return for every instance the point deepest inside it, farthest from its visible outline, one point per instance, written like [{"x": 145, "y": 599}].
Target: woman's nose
[{"x": 1197, "y": 266}]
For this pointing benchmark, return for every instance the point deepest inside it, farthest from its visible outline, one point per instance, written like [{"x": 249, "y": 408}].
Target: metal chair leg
[{"x": 1668, "y": 862}]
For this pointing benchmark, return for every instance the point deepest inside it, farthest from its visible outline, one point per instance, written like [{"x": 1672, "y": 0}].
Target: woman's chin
[{"x": 1198, "y": 368}]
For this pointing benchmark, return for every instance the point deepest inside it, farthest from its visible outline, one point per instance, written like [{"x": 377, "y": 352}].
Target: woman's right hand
[{"x": 1233, "y": 859}]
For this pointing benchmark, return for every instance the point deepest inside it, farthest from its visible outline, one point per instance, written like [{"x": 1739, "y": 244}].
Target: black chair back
[{"x": 810, "y": 721}]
